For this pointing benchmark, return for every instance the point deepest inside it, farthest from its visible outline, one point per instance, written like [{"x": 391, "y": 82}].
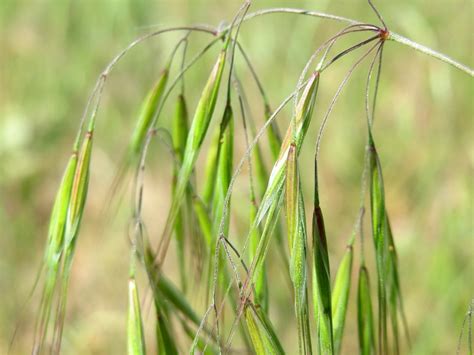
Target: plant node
[{"x": 383, "y": 34}]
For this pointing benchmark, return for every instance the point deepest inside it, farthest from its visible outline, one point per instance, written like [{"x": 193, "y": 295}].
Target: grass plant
[{"x": 233, "y": 278}]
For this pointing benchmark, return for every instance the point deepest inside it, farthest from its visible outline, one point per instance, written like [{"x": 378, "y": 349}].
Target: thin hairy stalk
[
  {"x": 137, "y": 197},
  {"x": 244, "y": 10},
  {"x": 349, "y": 29},
  {"x": 236, "y": 252},
  {"x": 190, "y": 332},
  {"x": 369, "y": 115},
  {"x": 246, "y": 136},
  {"x": 183, "y": 41},
  {"x": 210, "y": 30},
  {"x": 200, "y": 328},
  {"x": 370, "y": 112},
  {"x": 328, "y": 44},
  {"x": 364, "y": 177},
  {"x": 362, "y": 236},
  {"x": 390, "y": 35},
  {"x": 183, "y": 61},
  {"x": 255, "y": 76},
  {"x": 336, "y": 96},
  {"x": 377, "y": 13},
  {"x": 274, "y": 136},
  {"x": 224, "y": 241},
  {"x": 287, "y": 10},
  {"x": 360, "y": 231},
  {"x": 219, "y": 312},
  {"x": 97, "y": 90},
  {"x": 350, "y": 49},
  {"x": 180, "y": 77}
]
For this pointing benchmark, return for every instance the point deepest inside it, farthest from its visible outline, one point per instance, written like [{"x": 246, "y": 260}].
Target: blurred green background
[{"x": 51, "y": 53}]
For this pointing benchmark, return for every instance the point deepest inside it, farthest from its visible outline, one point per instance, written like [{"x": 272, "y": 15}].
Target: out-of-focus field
[{"x": 51, "y": 53}]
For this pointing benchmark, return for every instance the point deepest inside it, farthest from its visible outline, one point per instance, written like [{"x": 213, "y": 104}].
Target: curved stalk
[
  {"x": 430, "y": 52},
  {"x": 391, "y": 35}
]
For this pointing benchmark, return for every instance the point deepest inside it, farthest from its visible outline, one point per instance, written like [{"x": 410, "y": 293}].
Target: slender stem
[
  {"x": 336, "y": 96},
  {"x": 180, "y": 75},
  {"x": 256, "y": 78},
  {"x": 391, "y": 36},
  {"x": 244, "y": 9},
  {"x": 99, "y": 86},
  {"x": 289, "y": 10},
  {"x": 431, "y": 52}
]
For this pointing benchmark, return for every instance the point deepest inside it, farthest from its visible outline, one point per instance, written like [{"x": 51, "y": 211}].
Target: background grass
[{"x": 50, "y": 55}]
